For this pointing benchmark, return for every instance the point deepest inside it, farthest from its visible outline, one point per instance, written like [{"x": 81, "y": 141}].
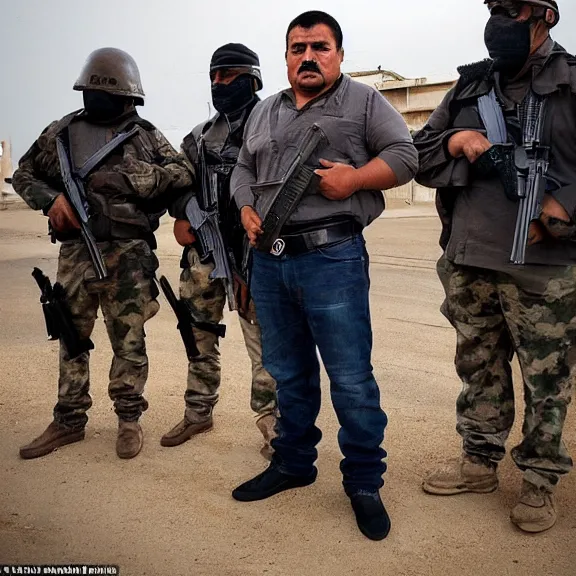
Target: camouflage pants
[
  {"x": 533, "y": 315},
  {"x": 128, "y": 300},
  {"x": 208, "y": 298}
]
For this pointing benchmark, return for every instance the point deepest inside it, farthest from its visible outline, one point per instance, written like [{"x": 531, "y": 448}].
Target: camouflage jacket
[{"x": 127, "y": 193}]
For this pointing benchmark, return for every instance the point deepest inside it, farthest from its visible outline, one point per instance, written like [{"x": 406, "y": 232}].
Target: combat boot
[
  {"x": 466, "y": 474},
  {"x": 184, "y": 430},
  {"x": 267, "y": 425},
  {"x": 536, "y": 509},
  {"x": 52, "y": 438},
  {"x": 130, "y": 439}
]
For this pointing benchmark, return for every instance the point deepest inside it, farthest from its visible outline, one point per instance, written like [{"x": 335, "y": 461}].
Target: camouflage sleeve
[
  {"x": 154, "y": 170},
  {"x": 177, "y": 208},
  {"x": 175, "y": 163},
  {"x": 30, "y": 181}
]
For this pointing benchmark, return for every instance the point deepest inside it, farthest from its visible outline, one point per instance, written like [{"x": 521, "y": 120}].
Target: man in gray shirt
[{"x": 311, "y": 290}]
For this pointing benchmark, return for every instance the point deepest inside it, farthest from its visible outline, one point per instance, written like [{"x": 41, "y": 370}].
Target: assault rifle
[
  {"x": 531, "y": 180},
  {"x": 57, "y": 316},
  {"x": 281, "y": 198},
  {"x": 186, "y": 320},
  {"x": 207, "y": 214},
  {"x": 531, "y": 189},
  {"x": 76, "y": 195}
]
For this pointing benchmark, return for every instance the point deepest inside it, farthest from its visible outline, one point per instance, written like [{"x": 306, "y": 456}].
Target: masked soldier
[
  {"x": 501, "y": 151},
  {"x": 134, "y": 172},
  {"x": 214, "y": 271}
]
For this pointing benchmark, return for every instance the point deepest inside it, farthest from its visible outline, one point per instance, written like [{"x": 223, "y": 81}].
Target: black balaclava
[
  {"x": 508, "y": 40},
  {"x": 233, "y": 97},
  {"x": 102, "y": 106}
]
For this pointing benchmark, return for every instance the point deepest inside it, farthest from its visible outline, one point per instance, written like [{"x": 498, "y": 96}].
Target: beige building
[
  {"x": 7, "y": 195},
  {"x": 415, "y": 99}
]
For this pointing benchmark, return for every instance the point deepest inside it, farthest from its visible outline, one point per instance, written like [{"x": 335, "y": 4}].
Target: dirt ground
[{"x": 169, "y": 511}]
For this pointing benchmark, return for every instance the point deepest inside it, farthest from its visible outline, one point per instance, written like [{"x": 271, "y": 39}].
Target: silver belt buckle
[{"x": 278, "y": 247}]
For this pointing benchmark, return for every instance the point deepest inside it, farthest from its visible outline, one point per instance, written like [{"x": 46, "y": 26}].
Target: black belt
[{"x": 302, "y": 242}]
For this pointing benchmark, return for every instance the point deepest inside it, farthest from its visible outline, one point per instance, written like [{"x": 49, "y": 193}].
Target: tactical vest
[
  {"x": 116, "y": 210},
  {"x": 214, "y": 151}
]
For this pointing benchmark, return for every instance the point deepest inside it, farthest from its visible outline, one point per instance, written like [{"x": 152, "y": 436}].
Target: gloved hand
[
  {"x": 61, "y": 215},
  {"x": 183, "y": 233}
]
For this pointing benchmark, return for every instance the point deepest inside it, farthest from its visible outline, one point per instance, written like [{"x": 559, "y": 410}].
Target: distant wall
[
  {"x": 415, "y": 103},
  {"x": 5, "y": 167}
]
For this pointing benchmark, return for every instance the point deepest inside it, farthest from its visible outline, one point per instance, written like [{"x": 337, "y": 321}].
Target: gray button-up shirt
[{"x": 360, "y": 125}]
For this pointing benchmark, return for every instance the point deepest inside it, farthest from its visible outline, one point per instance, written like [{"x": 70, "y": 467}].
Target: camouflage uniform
[
  {"x": 127, "y": 299},
  {"x": 212, "y": 148},
  {"x": 496, "y": 315},
  {"x": 126, "y": 193},
  {"x": 207, "y": 298}
]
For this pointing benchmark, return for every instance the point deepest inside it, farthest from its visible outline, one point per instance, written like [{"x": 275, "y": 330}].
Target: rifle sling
[{"x": 104, "y": 152}]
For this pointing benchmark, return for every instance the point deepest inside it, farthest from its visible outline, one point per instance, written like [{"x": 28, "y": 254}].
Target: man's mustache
[{"x": 309, "y": 66}]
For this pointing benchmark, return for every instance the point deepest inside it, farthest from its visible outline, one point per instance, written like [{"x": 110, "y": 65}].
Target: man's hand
[
  {"x": 61, "y": 215},
  {"x": 338, "y": 181},
  {"x": 555, "y": 219},
  {"x": 252, "y": 223},
  {"x": 468, "y": 143},
  {"x": 536, "y": 233},
  {"x": 183, "y": 233},
  {"x": 551, "y": 208}
]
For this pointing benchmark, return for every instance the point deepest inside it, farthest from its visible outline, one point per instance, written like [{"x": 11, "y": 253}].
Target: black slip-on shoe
[
  {"x": 270, "y": 482},
  {"x": 371, "y": 516}
]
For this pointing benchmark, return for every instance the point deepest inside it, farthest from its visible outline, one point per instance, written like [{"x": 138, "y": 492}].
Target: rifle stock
[
  {"x": 184, "y": 325},
  {"x": 186, "y": 321}
]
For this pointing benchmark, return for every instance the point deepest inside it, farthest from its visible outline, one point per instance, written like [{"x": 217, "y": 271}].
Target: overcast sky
[{"x": 45, "y": 43}]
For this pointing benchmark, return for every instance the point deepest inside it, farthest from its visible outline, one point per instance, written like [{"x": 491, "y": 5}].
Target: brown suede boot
[
  {"x": 184, "y": 430},
  {"x": 536, "y": 509},
  {"x": 267, "y": 425},
  {"x": 466, "y": 474},
  {"x": 130, "y": 439},
  {"x": 52, "y": 438}
]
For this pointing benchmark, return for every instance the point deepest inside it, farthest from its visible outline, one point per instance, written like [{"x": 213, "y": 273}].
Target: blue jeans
[{"x": 321, "y": 299}]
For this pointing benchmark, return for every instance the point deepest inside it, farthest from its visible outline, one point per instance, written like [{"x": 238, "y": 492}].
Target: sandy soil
[{"x": 169, "y": 511}]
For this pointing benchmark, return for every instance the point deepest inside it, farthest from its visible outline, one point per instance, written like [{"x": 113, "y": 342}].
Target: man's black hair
[{"x": 314, "y": 17}]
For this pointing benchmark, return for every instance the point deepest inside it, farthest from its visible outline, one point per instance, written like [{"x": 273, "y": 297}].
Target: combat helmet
[
  {"x": 550, "y": 4},
  {"x": 114, "y": 71}
]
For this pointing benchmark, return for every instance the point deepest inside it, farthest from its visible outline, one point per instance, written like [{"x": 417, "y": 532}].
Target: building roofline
[
  {"x": 412, "y": 82},
  {"x": 361, "y": 73}
]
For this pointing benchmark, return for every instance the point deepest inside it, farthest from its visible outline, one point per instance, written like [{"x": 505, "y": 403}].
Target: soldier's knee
[{"x": 151, "y": 309}]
